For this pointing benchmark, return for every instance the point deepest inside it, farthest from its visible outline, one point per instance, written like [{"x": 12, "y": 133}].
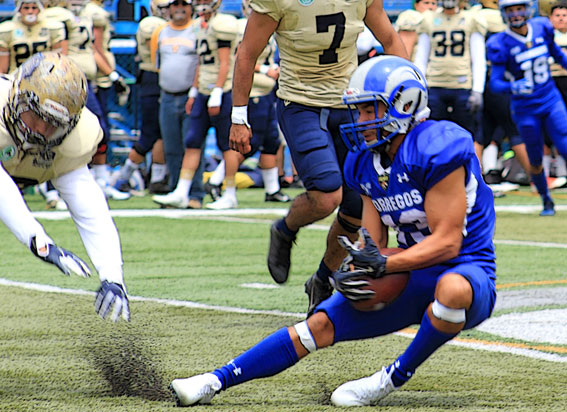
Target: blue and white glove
[
  {"x": 111, "y": 298},
  {"x": 368, "y": 259},
  {"x": 522, "y": 87},
  {"x": 65, "y": 261}
]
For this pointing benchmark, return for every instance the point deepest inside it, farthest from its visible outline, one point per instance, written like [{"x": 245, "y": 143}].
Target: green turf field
[{"x": 54, "y": 350}]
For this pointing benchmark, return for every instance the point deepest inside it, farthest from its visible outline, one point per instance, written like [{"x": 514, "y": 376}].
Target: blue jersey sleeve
[
  {"x": 351, "y": 171},
  {"x": 441, "y": 149},
  {"x": 495, "y": 50}
]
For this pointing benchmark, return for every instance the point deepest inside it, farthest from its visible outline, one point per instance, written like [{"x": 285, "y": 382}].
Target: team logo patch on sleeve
[{"x": 7, "y": 153}]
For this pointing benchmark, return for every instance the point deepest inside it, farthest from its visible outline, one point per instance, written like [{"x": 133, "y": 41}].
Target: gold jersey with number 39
[
  {"x": 450, "y": 63},
  {"x": 317, "y": 46}
]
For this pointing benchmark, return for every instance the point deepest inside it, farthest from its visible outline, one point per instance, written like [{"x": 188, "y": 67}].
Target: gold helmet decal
[{"x": 54, "y": 89}]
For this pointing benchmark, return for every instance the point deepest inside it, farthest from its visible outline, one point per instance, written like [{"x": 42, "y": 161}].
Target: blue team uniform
[
  {"x": 528, "y": 58},
  {"x": 429, "y": 153}
]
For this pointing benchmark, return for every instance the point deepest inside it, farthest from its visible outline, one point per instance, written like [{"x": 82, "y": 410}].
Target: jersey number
[
  {"x": 456, "y": 45},
  {"x": 22, "y": 51},
  {"x": 536, "y": 71},
  {"x": 329, "y": 56},
  {"x": 205, "y": 53},
  {"x": 86, "y": 34}
]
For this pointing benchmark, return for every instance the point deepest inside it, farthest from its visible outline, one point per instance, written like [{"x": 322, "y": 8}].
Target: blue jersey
[
  {"x": 526, "y": 57},
  {"x": 429, "y": 153}
]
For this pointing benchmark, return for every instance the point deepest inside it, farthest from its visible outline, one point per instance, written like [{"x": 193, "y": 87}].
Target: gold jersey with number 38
[{"x": 450, "y": 63}]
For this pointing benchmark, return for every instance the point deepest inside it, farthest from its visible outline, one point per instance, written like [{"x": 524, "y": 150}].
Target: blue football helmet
[
  {"x": 507, "y": 16},
  {"x": 398, "y": 84}
]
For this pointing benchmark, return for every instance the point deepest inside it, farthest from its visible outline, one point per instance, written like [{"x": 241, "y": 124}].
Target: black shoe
[
  {"x": 493, "y": 177},
  {"x": 317, "y": 291},
  {"x": 548, "y": 208},
  {"x": 213, "y": 190},
  {"x": 159, "y": 188},
  {"x": 279, "y": 196},
  {"x": 279, "y": 254}
]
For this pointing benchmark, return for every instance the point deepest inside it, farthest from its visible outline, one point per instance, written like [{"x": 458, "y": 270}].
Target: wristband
[
  {"x": 113, "y": 76},
  {"x": 240, "y": 115},
  {"x": 264, "y": 69},
  {"x": 215, "y": 99},
  {"x": 193, "y": 92}
]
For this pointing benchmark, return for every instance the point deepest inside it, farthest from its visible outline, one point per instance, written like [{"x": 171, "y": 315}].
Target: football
[{"x": 387, "y": 288}]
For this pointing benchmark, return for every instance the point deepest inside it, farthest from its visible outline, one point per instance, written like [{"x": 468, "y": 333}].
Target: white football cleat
[
  {"x": 173, "y": 199},
  {"x": 196, "y": 389},
  {"x": 365, "y": 391},
  {"x": 225, "y": 202}
]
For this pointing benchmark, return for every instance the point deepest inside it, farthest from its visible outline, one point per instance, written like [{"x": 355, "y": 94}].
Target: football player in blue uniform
[
  {"x": 421, "y": 178},
  {"x": 523, "y": 51}
]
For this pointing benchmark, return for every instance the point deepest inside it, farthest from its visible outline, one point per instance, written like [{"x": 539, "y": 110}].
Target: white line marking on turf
[
  {"x": 232, "y": 215},
  {"x": 529, "y": 353},
  {"x": 258, "y": 285}
]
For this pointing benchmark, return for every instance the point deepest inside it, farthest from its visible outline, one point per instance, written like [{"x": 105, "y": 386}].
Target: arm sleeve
[
  {"x": 14, "y": 212},
  {"x": 422, "y": 52},
  {"x": 478, "y": 60},
  {"x": 91, "y": 215}
]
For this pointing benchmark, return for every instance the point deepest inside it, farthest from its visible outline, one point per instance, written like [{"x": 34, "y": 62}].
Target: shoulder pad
[
  {"x": 225, "y": 25},
  {"x": 84, "y": 138}
]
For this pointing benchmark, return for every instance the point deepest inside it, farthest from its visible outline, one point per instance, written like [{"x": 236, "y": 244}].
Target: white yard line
[
  {"x": 480, "y": 345},
  {"x": 238, "y": 216}
]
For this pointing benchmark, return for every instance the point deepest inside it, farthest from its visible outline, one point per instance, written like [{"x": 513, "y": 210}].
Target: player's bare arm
[
  {"x": 258, "y": 31},
  {"x": 224, "y": 67},
  {"x": 192, "y": 93},
  {"x": 372, "y": 222},
  {"x": 4, "y": 60},
  {"x": 379, "y": 23},
  {"x": 445, "y": 208}
]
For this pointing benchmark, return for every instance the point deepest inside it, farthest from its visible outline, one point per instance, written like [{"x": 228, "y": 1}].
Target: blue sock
[
  {"x": 540, "y": 183},
  {"x": 426, "y": 341},
  {"x": 270, "y": 356},
  {"x": 282, "y": 227},
  {"x": 324, "y": 272}
]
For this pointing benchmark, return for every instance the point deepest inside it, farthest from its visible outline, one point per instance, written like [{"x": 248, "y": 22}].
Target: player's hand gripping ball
[{"x": 364, "y": 290}]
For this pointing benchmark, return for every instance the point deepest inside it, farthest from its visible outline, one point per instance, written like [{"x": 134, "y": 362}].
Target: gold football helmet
[
  {"x": 206, "y": 6},
  {"x": 51, "y": 87},
  {"x": 246, "y": 10},
  {"x": 544, "y": 6},
  {"x": 54, "y": 3},
  {"x": 159, "y": 8},
  {"x": 490, "y": 4}
]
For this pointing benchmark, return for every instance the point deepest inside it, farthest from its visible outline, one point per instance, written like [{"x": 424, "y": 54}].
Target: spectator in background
[
  {"x": 208, "y": 105},
  {"x": 174, "y": 50},
  {"x": 149, "y": 91},
  {"x": 522, "y": 53},
  {"x": 451, "y": 53},
  {"x": 408, "y": 21}
]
